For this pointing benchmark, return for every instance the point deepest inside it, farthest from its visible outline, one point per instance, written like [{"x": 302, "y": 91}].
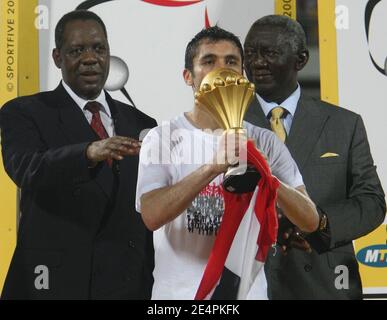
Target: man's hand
[
  {"x": 112, "y": 148},
  {"x": 289, "y": 236},
  {"x": 228, "y": 152},
  {"x": 294, "y": 239}
]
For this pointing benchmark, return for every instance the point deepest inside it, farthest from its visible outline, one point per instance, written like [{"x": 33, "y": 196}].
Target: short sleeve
[
  {"x": 283, "y": 165},
  {"x": 154, "y": 165},
  {"x": 281, "y": 162}
]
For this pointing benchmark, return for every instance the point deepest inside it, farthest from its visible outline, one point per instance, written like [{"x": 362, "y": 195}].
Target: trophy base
[{"x": 241, "y": 180}]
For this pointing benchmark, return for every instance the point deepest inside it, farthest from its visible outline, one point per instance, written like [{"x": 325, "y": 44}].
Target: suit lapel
[
  {"x": 307, "y": 125},
  {"x": 124, "y": 171},
  {"x": 72, "y": 120},
  {"x": 121, "y": 125},
  {"x": 126, "y": 127},
  {"x": 255, "y": 115}
]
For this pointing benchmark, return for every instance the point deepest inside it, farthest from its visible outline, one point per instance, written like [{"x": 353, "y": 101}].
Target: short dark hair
[
  {"x": 212, "y": 34},
  {"x": 291, "y": 30},
  {"x": 72, "y": 16}
]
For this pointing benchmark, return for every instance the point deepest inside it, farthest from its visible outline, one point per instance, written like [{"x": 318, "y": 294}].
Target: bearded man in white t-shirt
[{"x": 182, "y": 163}]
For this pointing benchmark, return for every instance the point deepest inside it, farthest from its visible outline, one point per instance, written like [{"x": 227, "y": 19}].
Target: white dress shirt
[{"x": 290, "y": 104}]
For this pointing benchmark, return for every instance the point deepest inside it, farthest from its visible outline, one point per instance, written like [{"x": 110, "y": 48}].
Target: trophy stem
[{"x": 238, "y": 130}]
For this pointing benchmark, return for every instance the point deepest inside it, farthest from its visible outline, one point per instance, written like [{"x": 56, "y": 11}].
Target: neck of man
[
  {"x": 201, "y": 119},
  {"x": 279, "y": 96}
]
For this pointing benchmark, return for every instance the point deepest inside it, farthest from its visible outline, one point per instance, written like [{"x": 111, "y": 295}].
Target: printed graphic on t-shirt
[{"x": 205, "y": 213}]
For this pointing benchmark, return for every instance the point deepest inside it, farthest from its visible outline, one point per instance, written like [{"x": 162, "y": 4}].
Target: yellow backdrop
[{"x": 19, "y": 75}]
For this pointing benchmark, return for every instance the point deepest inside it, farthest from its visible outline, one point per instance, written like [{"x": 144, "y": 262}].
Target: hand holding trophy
[{"x": 226, "y": 95}]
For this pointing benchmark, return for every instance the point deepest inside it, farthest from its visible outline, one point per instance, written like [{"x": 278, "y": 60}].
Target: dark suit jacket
[
  {"x": 80, "y": 223},
  {"x": 346, "y": 188}
]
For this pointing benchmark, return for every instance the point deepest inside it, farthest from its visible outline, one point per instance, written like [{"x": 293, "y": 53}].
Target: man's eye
[
  {"x": 75, "y": 52},
  {"x": 232, "y": 62},
  {"x": 208, "y": 62},
  {"x": 100, "y": 49}
]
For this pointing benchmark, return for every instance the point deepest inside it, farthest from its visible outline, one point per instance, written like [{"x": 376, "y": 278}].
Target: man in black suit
[
  {"x": 331, "y": 149},
  {"x": 73, "y": 152}
]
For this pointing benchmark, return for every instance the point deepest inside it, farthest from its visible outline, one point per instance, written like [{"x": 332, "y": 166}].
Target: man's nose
[
  {"x": 257, "y": 59},
  {"x": 89, "y": 57},
  {"x": 221, "y": 64}
]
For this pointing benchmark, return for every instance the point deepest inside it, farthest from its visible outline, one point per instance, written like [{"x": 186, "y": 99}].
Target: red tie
[
  {"x": 96, "y": 123},
  {"x": 94, "y": 107}
]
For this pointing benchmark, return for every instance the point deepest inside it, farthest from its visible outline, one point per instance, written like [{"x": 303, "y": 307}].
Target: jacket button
[
  {"x": 131, "y": 244},
  {"x": 307, "y": 267}
]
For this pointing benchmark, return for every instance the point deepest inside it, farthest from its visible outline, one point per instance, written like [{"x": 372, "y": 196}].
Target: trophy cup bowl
[{"x": 225, "y": 95}]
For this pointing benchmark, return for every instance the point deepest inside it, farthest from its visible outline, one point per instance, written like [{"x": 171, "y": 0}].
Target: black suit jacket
[
  {"x": 78, "y": 222},
  {"x": 346, "y": 188}
]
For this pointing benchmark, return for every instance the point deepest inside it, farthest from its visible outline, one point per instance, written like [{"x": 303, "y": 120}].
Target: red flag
[{"x": 235, "y": 208}]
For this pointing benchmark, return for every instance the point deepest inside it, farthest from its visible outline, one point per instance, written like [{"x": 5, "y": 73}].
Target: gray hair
[{"x": 292, "y": 31}]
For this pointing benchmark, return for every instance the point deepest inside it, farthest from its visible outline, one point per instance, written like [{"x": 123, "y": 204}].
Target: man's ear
[
  {"x": 188, "y": 77},
  {"x": 302, "y": 59},
  {"x": 56, "y": 57}
]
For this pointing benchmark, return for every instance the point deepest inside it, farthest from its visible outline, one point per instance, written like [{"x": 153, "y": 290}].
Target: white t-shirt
[{"x": 169, "y": 153}]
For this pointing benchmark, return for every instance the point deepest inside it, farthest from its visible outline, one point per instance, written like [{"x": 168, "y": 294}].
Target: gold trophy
[{"x": 225, "y": 95}]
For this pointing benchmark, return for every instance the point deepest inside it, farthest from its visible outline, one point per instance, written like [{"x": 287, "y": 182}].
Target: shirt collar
[
  {"x": 82, "y": 102},
  {"x": 290, "y": 104}
]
